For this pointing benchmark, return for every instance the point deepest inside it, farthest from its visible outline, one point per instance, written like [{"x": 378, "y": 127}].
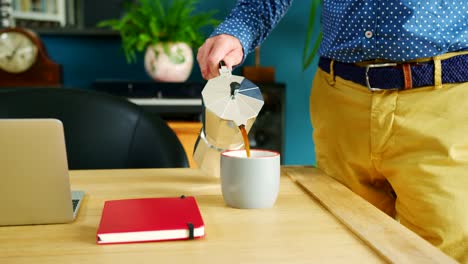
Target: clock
[
  {"x": 18, "y": 52},
  {"x": 24, "y": 60}
]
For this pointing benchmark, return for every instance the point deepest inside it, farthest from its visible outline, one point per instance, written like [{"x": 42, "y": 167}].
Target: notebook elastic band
[{"x": 190, "y": 227}]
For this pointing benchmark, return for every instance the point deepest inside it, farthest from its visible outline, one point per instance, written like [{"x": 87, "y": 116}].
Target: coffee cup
[{"x": 250, "y": 182}]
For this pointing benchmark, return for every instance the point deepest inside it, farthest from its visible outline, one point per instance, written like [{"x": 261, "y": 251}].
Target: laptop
[{"x": 34, "y": 181}]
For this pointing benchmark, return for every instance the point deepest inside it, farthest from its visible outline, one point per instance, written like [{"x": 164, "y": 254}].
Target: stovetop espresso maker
[{"x": 229, "y": 101}]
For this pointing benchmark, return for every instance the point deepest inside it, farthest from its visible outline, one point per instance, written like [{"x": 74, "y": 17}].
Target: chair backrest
[{"x": 102, "y": 131}]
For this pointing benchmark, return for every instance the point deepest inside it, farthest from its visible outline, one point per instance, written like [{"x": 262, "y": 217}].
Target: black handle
[
  {"x": 221, "y": 64},
  {"x": 234, "y": 86}
]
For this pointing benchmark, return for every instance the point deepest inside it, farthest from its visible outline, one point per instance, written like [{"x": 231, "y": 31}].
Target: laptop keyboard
[{"x": 75, "y": 204}]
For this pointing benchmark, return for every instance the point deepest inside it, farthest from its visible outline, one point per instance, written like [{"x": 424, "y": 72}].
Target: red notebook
[{"x": 150, "y": 219}]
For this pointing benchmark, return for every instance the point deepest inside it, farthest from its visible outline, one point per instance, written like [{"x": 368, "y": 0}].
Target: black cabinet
[{"x": 268, "y": 130}]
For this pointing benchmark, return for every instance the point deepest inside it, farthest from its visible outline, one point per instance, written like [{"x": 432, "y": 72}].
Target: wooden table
[{"x": 306, "y": 225}]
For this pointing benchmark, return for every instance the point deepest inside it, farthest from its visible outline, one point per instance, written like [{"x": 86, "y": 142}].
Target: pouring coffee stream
[
  {"x": 246, "y": 140},
  {"x": 231, "y": 104}
]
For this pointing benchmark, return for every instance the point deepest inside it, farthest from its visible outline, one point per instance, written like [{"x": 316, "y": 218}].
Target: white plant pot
[{"x": 169, "y": 62}]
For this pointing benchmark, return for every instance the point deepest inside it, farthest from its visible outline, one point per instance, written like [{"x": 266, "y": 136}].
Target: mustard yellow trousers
[{"x": 406, "y": 152}]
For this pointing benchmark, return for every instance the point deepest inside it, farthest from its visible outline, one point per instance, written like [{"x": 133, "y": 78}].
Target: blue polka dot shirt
[{"x": 358, "y": 30}]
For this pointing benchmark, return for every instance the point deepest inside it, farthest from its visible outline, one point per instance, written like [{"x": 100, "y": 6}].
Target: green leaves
[
  {"x": 176, "y": 57},
  {"x": 308, "y": 54},
  {"x": 148, "y": 22}
]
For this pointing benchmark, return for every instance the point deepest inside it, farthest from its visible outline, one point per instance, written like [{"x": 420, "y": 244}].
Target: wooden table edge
[{"x": 391, "y": 240}]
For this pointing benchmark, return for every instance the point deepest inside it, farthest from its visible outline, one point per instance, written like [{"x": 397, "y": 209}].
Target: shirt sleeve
[{"x": 252, "y": 20}]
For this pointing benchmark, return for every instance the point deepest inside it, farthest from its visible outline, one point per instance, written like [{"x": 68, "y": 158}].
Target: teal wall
[{"x": 87, "y": 58}]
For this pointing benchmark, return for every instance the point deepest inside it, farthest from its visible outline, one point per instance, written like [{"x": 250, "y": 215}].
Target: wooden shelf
[
  {"x": 33, "y": 15},
  {"x": 54, "y": 13},
  {"x": 76, "y": 31}
]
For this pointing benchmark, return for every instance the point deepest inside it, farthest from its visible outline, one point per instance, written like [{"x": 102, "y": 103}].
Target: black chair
[{"x": 102, "y": 131}]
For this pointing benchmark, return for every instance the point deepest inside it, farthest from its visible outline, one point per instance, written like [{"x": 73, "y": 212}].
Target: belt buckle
[{"x": 378, "y": 65}]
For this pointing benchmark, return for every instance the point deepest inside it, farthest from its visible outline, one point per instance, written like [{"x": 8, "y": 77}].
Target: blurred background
[{"x": 88, "y": 54}]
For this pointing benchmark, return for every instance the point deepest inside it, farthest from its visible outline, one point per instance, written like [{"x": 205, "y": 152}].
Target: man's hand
[{"x": 219, "y": 48}]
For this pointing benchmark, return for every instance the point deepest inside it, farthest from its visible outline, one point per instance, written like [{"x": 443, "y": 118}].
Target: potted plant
[{"x": 167, "y": 30}]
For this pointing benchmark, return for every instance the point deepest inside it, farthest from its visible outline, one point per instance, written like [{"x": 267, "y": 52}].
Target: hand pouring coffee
[{"x": 231, "y": 104}]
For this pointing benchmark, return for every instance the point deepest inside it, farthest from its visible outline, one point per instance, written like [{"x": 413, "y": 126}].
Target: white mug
[{"x": 250, "y": 182}]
